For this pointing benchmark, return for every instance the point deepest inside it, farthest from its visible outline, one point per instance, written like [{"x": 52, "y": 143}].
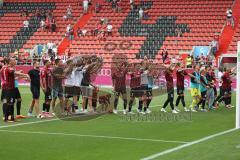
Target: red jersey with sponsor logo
[
  {"x": 226, "y": 81},
  {"x": 180, "y": 78},
  {"x": 7, "y": 78},
  {"x": 119, "y": 78},
  {"x": 135, "y": 81},
  {"x": 46, "y": 74},
  {"x": 169, "y": 79}
]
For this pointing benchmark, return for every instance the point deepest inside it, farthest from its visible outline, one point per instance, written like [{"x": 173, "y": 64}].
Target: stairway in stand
[
  {"x": 66, "y": 42},
  {"x": 228, "y": 32}
]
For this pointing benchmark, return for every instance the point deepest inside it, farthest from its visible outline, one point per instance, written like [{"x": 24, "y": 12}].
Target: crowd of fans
[
  {"x": 190, "y": 60},
  {"x": 102, "y": 29}
]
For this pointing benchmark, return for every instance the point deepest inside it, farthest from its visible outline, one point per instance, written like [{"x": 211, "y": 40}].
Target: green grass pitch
[{"x": 111, "y": 138}]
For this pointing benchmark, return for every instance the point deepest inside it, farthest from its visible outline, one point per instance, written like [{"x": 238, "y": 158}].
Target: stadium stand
[
  {"x": 16, "y": 37},
  {"x": 13, "y": 35},
  {"x": 198, "y": 22},
  {"x": 233, "y": 45}
]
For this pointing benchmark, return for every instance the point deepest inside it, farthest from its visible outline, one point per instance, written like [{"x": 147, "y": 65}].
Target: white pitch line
[
  {"x": 95, "y": 136},
  {"x": 187, "y": 145},
  {"x": 35, "y": 122},
  {"x": 42, "y": 121}
]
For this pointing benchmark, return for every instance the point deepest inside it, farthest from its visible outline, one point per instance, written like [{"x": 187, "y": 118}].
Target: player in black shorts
[
  {"x": 119, "y": 84},
  {"x": 34, "y": 75},
  {"x": 8, "y": 74},
  {"x": 18, "y": 99},
  {"x": 170, "y": 89},
  {"x": 46, "y": 83},
  {"x": 181, "y": 73},
  {"x": 135, "y": 85}
]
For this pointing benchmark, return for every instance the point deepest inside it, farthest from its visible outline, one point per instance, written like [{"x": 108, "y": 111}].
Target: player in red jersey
[
  {"x": 135, "y": 85},
  {"x": 181, "y": 73},
  {"x": 226, "y": 87},
  {"x": 119, "y": 84},
  {"x": 8, "y": 74},
  {"x": 170, "y": 88},
  {"x": 46, "y": 82}
]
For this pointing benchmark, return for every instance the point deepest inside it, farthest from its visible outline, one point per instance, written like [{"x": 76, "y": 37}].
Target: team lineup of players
[
  {"x": 142, "y": 76},
  {"x": 56, "y": 79},
  {"x": 75, "y": 78}
]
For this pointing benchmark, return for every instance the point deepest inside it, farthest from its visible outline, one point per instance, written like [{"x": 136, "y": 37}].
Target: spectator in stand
[
  {"x": 213, "y": 61},
  {"x": 140, "y": 13},
  {"x": 109, "y": 29},
  {"x": 20, "y": 58},
  {"x": 26, "y": 57},
  {"x": 197, "y": 59},
  {"x": 102, "y": 20},
  {"x": 79, "y": 32},
  {"x": 65, "y": 57},
  {"x": 24, "y": 13},
  {"x": 44, "y": 57},
  {"x": 16, "y": 53},
  {"x": 84, "y": 32},
  {"x": 47, "y": 24},
  {"x": 21, "y": 12},
  {"x": 97, "y": 7},
  {"x": 202, "y": 59},
  {"x": 50, "y": 46},
  {"x": 43, "y": 14},
  {"x": 53, "y": 25},
  {"x": 85, "y": 6},
  {"x": 49, "y": 14},
  {"x": 207, "y": 60},
  {"x": 69, "y": 32},
  {"x": 26, "y": 25},
  {"x": 69, "y": 27},
  {"x": 164, "y": 54},
  {"x": 35, "y": 57},
  {"x": 89, "y": 2},
  {"x": 174, "y": 60},
  {"x": 189, "y": 61},
  {"x": 43, "y": 25},
  {"x": 37, "y": 14},
  {"x": 132, "y": 4},
  {"x": 230, "y": 18},
  {"x": 114, "y": 5},
  {"x": 214, "y": 46},
  {"x": 69, "y": 12},
  {"x": 178, "y": 32},
  {"x": 179, "y": 59}
]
